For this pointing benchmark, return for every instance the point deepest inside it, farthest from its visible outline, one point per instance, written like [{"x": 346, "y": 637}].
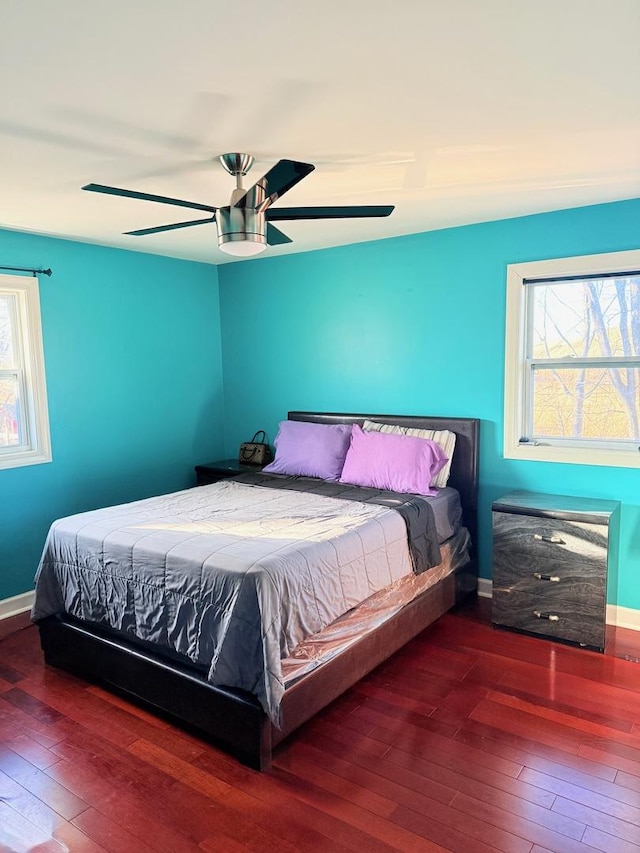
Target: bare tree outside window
[{"x": 584, "y": 359}]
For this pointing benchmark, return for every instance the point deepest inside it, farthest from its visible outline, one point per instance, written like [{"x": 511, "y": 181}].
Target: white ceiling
[{"x": 456, "y": 111}]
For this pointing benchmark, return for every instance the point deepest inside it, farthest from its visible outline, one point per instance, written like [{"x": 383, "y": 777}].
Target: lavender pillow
[
  {"x": 402, "y": 463},
  {"x": 310, "y": 450}
]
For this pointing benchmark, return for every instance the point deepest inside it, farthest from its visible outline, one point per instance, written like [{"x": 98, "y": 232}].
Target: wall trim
[
  {"x": 16, "y": 604},
  {"x": 623, "y": 617},
  {"x": 485, "y": 588}
]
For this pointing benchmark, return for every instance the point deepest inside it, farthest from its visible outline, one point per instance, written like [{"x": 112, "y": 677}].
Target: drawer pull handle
[
  {"x": 550, "y": 616},
  {"x": 541, "y": 577},
  {"x": 555, "y": 540}
]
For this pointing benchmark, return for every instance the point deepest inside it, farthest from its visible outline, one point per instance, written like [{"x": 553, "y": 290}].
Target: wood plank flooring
[{"x": 468, "y": 740}]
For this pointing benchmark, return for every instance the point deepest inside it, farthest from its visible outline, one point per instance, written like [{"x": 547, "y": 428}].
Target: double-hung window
[
  {"x": 24, "y": 421},
  {"x": 572, "y": 360}
]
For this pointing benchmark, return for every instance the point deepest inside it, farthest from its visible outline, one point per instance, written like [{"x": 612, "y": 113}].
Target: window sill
[
  {"x": 573, "y": 455},
  {"x": 27, "y": 457}
]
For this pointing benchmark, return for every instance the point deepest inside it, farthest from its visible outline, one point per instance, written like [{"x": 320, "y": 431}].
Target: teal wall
[
  {"x": 134, "y": 378},
  {"x": 135, "y": 358},
  {"x": 413, "y": 325}
]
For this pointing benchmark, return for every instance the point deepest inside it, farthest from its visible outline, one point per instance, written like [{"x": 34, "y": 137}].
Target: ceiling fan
[{"x": 245, "y": 225}]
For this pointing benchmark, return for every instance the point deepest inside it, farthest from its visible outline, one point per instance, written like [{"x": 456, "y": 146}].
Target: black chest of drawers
[{"x": 552, "y": 555}]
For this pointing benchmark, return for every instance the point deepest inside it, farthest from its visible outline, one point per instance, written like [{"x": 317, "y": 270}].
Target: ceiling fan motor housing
[{"x": 241, "y": 224}]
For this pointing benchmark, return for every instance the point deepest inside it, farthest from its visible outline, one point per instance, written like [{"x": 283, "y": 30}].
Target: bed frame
[{"x": 233, "y": 719}]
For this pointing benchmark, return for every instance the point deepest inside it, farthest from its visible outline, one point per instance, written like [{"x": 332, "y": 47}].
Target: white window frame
[
  {"x": 583, "y": 453},
  {"x": 36, "y": 447}
]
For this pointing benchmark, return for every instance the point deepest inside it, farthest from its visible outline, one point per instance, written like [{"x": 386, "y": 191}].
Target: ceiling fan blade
[
  {"x": 275, "y": 183},
  {"x": 343, "y": 212},
  {"x": 146, "y": 169},
  {"x": 205, "y": 109},
  {"x": 141, "y": 232},
  {"x": 100, "y": 188},
  {"x": 275, "y": 236},
  {"x": 53, "y": 137}
]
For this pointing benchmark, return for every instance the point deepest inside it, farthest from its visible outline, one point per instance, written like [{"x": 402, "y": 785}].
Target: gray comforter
[{"x": 232, "y": 576}]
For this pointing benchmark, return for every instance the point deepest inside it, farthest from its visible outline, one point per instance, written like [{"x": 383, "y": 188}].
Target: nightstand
[
  {"x": 552, "y": 555},
  {"x": 222, "y": 469}
]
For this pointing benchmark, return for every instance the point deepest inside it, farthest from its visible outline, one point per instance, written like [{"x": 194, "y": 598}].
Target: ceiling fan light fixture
[
  {"x": 241, "y": 231},
  {"x": 242, "y": 245}
]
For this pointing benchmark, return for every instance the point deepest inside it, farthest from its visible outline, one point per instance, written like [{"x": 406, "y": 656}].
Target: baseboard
[
  {"x": 484, "y": 588},
  {"x": 16, "y": 604},
  {"x": 623, "y": 617}
]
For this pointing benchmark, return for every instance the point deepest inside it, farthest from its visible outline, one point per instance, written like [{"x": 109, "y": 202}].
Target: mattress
[
  {"x": 231, "y": 576},
  {"x": 444, "y": 508},
  {"x": 447, "y": 513},
  {"x": 370, "y": 614}
]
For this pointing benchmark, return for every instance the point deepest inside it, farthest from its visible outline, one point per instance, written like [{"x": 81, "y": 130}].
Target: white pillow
[{"x": 444, "y": 437}]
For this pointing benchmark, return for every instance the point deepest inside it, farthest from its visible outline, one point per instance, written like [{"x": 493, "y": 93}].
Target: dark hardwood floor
[{"x": 468, "y": 740}]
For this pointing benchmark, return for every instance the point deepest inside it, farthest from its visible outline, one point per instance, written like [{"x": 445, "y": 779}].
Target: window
[
  {"x": 572, "y": 360},
  {"x": 24, "y": 422}
]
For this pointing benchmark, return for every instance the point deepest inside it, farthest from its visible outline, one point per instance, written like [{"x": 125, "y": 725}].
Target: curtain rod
[{"x": 27, "y": 269}]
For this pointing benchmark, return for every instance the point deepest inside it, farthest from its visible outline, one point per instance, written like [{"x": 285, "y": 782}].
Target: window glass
[
  {"x": 10, "y": 420},
  {"x": 7, "y": 321},
  {"x": 590, "y": 323},
  {"x": 586, "y": 403},
  {"x": 586, "y": 318}
]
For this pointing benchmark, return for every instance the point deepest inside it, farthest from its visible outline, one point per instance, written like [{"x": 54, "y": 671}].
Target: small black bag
[{"x": 256, "y": 451}]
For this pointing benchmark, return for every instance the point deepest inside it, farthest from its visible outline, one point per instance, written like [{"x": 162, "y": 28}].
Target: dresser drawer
[
  {"x": 552, "y": 584},
  {"x": 577, "y": 622},
  {"x": 552, "y": 540},
  {"x": 550, "y": 557}
]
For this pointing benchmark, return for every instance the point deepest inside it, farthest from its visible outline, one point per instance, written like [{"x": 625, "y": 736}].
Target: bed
[{"x": 316, "y": 662}]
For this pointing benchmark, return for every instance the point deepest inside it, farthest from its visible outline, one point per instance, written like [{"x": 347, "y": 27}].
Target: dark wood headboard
[{"x": 464, "y": 467}]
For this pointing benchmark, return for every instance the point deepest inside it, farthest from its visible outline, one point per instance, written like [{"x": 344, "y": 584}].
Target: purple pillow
[
  {"x": 402, "y": 463},
  {"x": 310, "y": 450}
]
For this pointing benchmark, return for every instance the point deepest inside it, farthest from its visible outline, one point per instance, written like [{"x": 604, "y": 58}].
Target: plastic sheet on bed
[{"x": 377, "y": 609}]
